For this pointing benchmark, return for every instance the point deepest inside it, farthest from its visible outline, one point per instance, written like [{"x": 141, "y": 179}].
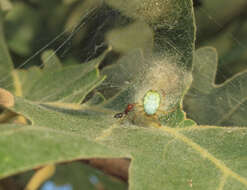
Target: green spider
[{"x": 151, "y": 104}]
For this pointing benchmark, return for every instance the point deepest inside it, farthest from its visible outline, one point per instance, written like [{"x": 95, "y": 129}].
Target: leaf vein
[{"x": 206, "y": 154}]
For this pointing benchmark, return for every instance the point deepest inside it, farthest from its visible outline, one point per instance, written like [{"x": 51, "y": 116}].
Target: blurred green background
[{"x": 32, "y": 25}]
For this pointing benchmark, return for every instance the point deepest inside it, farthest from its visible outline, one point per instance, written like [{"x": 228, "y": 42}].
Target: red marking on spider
[
  {"x": 129, "y": 108},
  {"x": 126, "y": 111}
]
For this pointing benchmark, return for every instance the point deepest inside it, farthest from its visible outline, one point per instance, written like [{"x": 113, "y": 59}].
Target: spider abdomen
[{"x": 151, "y": 102}]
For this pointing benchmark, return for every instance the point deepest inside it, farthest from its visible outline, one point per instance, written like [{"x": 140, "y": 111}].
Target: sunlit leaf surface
[{"x": 208, "y": 103}]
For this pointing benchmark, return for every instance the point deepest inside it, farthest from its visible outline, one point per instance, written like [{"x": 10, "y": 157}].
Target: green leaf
[
  {"x": 205, "y": 157},
  {"x": 230, "y": 44},
  {"x": 50, "y": 60},
  {"x": 208, "y": 103},
  {"x": 6, "y": 64},
  {"x": 127, "y": 38},
  {"x": 172, "y": 23},
  {"x": 56, "y": 83},
  {"x": 29, "y": 84},
  {"x": 97, "y": 99},
  {"x": 175, "y": 155},
  {"x": 47, "y": 146},
  {"x": 176, "y": 118},
  {"x": 62, "y": 139}
]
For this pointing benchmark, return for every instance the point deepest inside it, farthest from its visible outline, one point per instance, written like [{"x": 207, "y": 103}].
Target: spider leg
[
  {"x": 150, "y": 120},
  {"x": 154, "y": 123},
  {"x": 155, "y": 119},
  {"x": 161, "y": 112}
]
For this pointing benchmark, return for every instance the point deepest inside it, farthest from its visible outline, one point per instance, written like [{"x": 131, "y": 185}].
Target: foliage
[{"x": 63, "y": 106}]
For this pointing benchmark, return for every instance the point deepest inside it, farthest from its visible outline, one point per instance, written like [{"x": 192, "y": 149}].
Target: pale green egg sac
[{"x": 151, "y": 102}]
